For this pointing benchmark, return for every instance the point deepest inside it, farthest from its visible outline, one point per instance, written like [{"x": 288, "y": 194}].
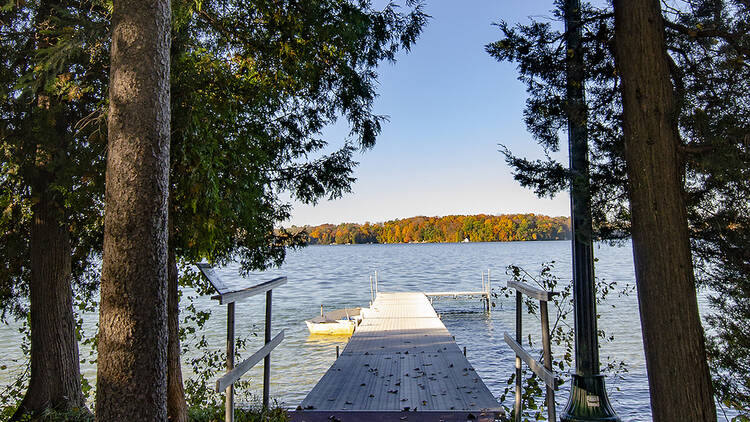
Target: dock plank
[{"x": 401, "y": 357}]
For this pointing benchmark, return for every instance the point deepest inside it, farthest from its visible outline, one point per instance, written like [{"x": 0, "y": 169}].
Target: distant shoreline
[
  {"x": 438, "y": 243},
  {"x": 447, "y": 229}
]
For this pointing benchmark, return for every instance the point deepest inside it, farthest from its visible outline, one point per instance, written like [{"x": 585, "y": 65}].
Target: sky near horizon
[{"x": 449, "y": 105}]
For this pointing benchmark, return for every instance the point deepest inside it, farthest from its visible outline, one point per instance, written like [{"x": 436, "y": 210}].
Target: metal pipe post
[
  {"x": 267, "y": 359},
  {"x": 229, "y": 400},
  {"x": 588, "y": 396},
  {"x": 547, "y": 358},
  {"x": 519, "y": 335}
]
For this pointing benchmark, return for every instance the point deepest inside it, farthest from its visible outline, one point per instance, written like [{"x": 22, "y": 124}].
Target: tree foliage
[
  {"x": 707, "y": 42},
  {"x": 52, "y": 88},
  {"x": 59, "y": 143},
  {"x": 254, "y": 84}
]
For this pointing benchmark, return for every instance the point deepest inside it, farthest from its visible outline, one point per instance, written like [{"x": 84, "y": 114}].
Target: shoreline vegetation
[{"x": 447, "y": 229}]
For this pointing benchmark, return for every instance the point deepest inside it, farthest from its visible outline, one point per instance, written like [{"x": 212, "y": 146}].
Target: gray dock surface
[{"x": 402, "y": 358}]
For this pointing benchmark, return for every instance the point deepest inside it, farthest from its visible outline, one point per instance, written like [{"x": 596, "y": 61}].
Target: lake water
[{"x": 338, "y": 276}]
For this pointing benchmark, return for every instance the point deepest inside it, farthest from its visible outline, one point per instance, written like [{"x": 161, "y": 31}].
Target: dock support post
[
  {"x": 372, "y": 293},
  {"x": 267, "y": 359},
  {"x": 464, "y": 350},
  {"x": 229, "y": 399},
  {"x": 337, "y": 352},
  {"x": 519, "y": 320},
  {"x": 489, "y": 292}
]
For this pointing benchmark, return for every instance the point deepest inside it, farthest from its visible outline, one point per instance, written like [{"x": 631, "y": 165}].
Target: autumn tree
[
  {"x": 452, "y": 228},
  {"x": 132, "y": 361}
]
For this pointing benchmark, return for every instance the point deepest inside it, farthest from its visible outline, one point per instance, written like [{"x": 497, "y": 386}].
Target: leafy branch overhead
[{"x": 253, "y": 87}]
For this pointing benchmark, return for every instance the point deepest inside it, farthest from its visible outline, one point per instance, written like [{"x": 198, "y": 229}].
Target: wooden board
[{"x": 401, "y": 356}]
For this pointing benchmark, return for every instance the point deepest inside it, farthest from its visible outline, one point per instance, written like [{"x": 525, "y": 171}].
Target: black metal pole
[
  {"x": 588, "y": 397},
  {"x": 267, "y": 359},
  {"x": 229, "y": 400}
]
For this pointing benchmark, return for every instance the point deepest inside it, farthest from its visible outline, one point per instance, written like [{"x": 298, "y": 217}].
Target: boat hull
[{"x": 335, "y": 328}]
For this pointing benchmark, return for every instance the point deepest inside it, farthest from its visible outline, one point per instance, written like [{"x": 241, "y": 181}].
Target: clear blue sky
[{"x": 450, "y": 104}]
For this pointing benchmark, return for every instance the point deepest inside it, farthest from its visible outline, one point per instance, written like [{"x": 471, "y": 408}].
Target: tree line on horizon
[{"x": 450, "y": 228}]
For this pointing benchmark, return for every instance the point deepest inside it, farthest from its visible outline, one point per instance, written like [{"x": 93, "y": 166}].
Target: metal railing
[
  {"x": 543, "y": 372},
  {"x": 225, "y": 296}
]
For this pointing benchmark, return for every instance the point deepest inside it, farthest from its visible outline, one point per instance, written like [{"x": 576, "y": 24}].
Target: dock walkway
[{"x": 400, "y": 359}]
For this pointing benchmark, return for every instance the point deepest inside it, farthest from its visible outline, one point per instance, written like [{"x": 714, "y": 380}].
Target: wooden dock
[{"x": 400, "y": 364}]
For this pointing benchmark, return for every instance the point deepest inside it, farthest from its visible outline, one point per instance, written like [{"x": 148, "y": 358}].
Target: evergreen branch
[{"x": 732, "y": 39}]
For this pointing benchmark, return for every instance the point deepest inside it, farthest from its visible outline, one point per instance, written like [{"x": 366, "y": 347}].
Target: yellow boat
[{"x": 341, "y": 322}]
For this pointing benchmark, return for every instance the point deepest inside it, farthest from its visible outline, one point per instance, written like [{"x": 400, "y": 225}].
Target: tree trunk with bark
[
  {"x": 678, "y": 373},
  {"x": 55, "y": 381},
  {"x": 176, "y": 405},
  {"x": 55, "y": 373},
  {"x": 132, "y": 364}
]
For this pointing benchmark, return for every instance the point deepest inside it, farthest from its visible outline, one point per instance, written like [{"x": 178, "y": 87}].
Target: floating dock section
[{"x": 400, "y": 364}]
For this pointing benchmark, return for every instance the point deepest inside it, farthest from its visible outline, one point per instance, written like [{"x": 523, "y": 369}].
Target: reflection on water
[
  {"x": 326, "y": 340},
  {"x": 338, "y": 277}
]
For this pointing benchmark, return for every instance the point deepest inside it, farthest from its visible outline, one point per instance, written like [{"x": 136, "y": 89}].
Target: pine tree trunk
[
  {"x": 678, "y": 374},
  {"x": 55, "y": 373},
  {"x": 176, "y": 405},
  {"x": 132, "y": 364}
]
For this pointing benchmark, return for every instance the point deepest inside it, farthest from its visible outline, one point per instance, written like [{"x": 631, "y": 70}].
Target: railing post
[
  {"x": 489, "y": 292},
  {"x": 519, "y": 336},
  {"x": 229, "y": 401},
  {"x": 376, "y": 282},
  {"x": 267, "y": 359},
  {"x": 547, "y": 358}
]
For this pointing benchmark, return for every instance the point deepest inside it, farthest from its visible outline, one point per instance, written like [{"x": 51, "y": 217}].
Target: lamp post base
[{"x": 588, "y": 401}]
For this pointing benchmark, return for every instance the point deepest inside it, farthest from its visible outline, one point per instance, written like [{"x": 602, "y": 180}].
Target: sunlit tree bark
[{"x": 132, "y": 364}]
